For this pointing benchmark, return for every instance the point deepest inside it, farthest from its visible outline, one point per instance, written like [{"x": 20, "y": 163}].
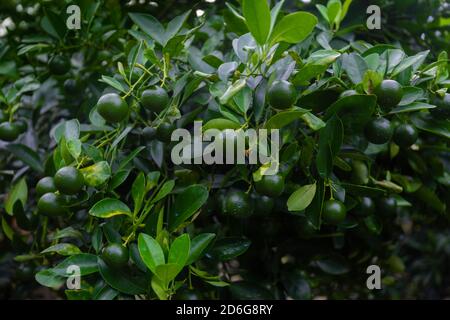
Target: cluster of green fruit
[
  {"x": 282, "y": 95},
  {"x": 67, "y": 181},
  {"x": 113, "y": 108},
  {"x": 380, "y": 130}
]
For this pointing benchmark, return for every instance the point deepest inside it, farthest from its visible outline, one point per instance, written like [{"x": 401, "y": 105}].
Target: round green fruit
[
  {"x": 45, "y": 185},
  {"x": 389, "y": 93},
  {"x": 69, "y": 180},
  {"x": 164, "y": 131},
  {"x": 387, "y": 206},
  {"x": 405, "y": 135},
  {"x": 149, "y": 133},
  {"x": 155, "y": 99},
  {"x": 360, "y": 172},
  {"x": 9, "y": 131},
  {"x": 378, "y": 131},
  {"x": 270, "y": 185},
  {"x": 334, "y": 212},
  {"x": 59, "y": 65},
  {"x": 282, "y": 94},
  {"x": 50, "y": 204},
  {"x": 238, "y": 204},
  {"x": 263, "y": 205},
  {"x": 72, "y": 86},
  {"x": 366, "y": 207},
  {"x": 21, "y": 125},
  {"x": 115, "y": 255},
  {"x": 112, "y": 107}
]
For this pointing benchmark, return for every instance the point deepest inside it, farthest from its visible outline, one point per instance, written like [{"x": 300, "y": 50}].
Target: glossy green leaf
[
  {"x": 186, "y": 204},
  {"x": 150, "y": 251},
  {"x": 85, "y": 261},
  {"x": 109, "y": 207},
  {"x": 18, "y": 192},
  {"x": 294, "y": 27},
  {"x": 301, "y": 198},
  {"x": 27, "y": 156},
  {"x": 282, "y": 119},
  {"x": 64, "y": 249},
  {"x": 179, "y": 251},
  {"x": 96, "y": 174},
  {"x": 228, "y": 248},
  {"x": 121, "y": 280},
  {"x": 198, "y": 246},
  {"x": 138, "y": 191},
  {"x": 257, "y": 17}
]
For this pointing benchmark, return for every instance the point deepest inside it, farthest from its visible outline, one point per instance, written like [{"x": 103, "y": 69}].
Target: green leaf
[
  {"x": 166, "y": 188},
  {"x": 64, "y": 249},
  {"x": 221, "y": 124},
  {"x": 438, "y": 127},
  {"x": 122, "y": 280},
  {"x": 7, "y": 230},
  {"x": 354, "y": 111},
  {"x": 415, "y": 106},
  {"x": 228, "y": 248},
  {"x": 158, "y": 287},
  {"x": 294, "y": 27},
  {"x": 85, "y": 261},
  {"x": 282, "y": 119},
  {"x": 18, "y": 192},
  {"x": 330, "y": 141},
  {"x": 27, "y": 156},
  {"x": 175, "y": 25},
  {"x": 150, "y": 25},
  {"x": 130, "y": 157},
  {"x": 69, "y": 130},
  {"x": 53, "y": 24},
  {"x": 138, "y": 191},
  {"x": 198, "y": 246},
  {"x": 96, "y": 174},
  {"x": 244, "y": 99},
  {"x": 371, "y": 80},
  {"x": 179, "y": 251},
  {"x": 109, "y": 207},
  {"x": 232, "y": 90},
  {"x": 301, "y": 198},
  {"x": 355, "y": 67},
  {"x": 257, "y": 17},
  {"x": 106, "y": 293},
  {"x": 116, "y": 84},
  {"x": 74, "y": 147},
  {"x": 186, "y": 204},
  {"x": 334, "y": 8},
  {"x": 48, "y": 278},
  {"x": 150, "y": 252},
  {"x": 312, "y": 121},
  {"x": 333, "y": 264},
  {"x": 167, "y": 272},
  {"x": 410, "y": 61},
  {"x": 274, "y": 14},
  {"x": 118, "y": 179},
  {"x": 362, "y": 191}
]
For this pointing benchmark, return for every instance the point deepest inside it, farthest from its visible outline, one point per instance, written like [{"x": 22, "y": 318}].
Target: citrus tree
[{"x": 95, "y": 207}]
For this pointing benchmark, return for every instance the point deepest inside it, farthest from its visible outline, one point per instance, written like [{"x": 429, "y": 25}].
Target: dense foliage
[{"x": 87, "y": 179}]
